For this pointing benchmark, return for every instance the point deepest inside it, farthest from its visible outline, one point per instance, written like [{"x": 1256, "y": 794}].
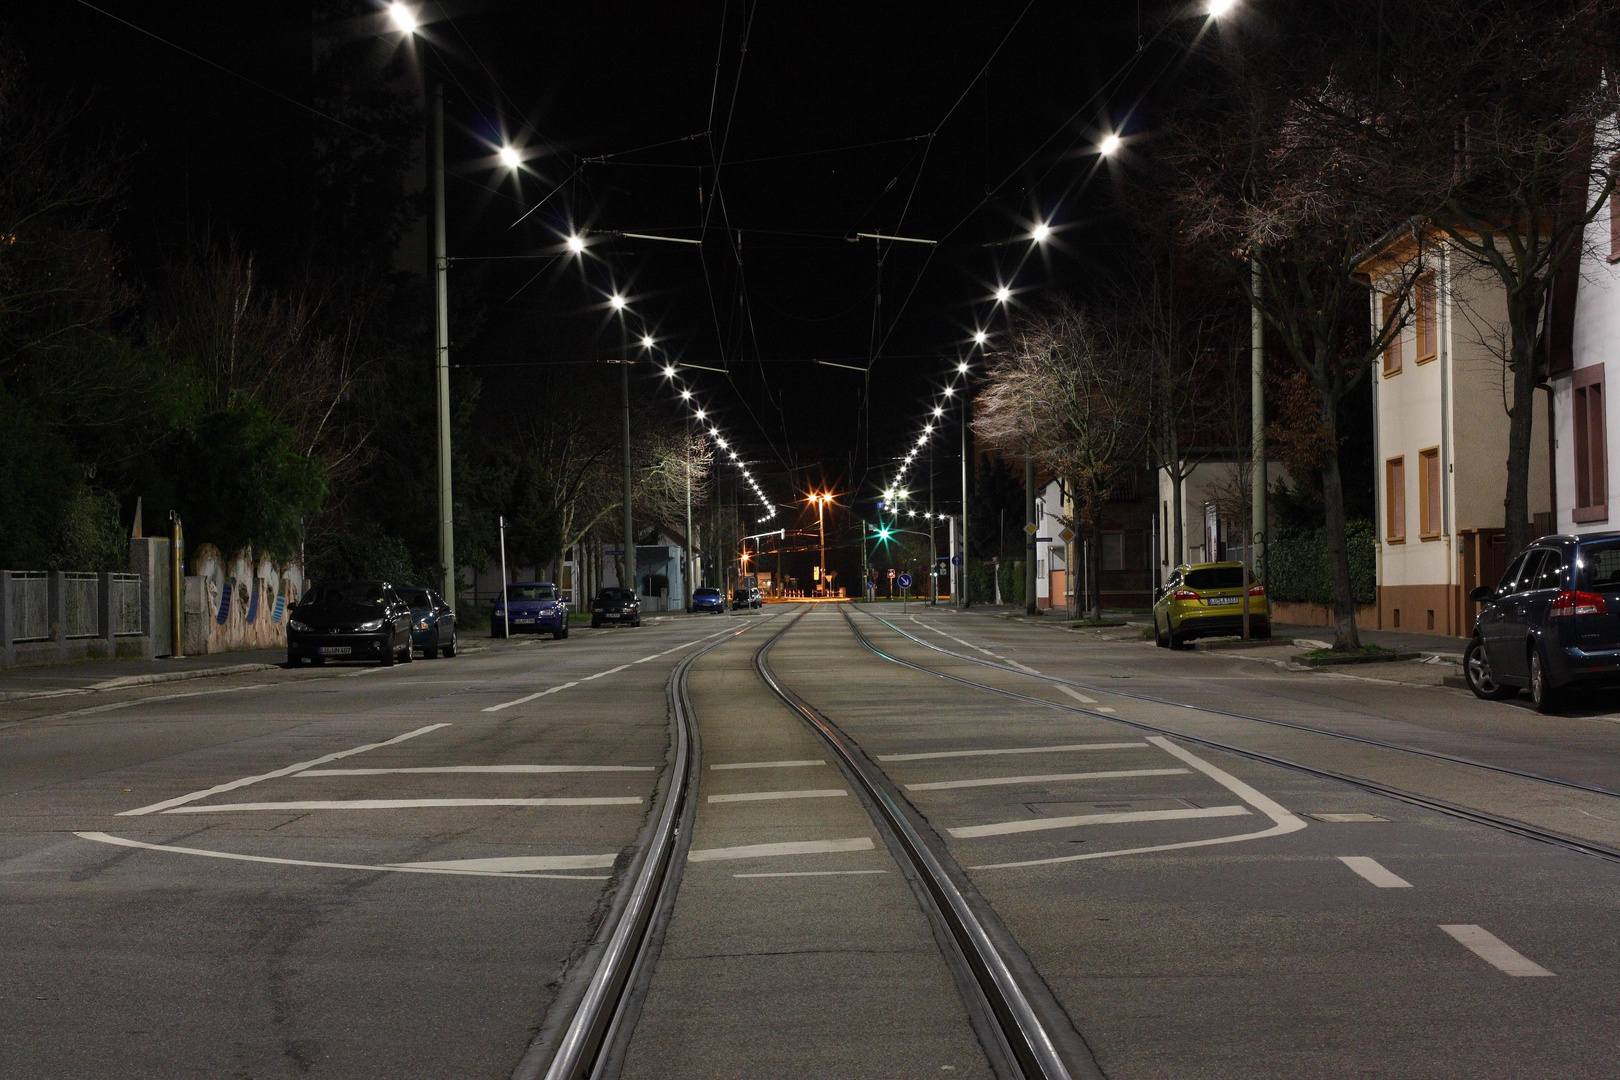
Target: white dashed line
[
  {"x": 767, "y": 764},
  {"x": 992, "y": 781},
  {"x": 1004, "y": 828},
  {"x": 1374, "y": 872},
  {"x": 1012, "y": 750},
  {"x": 1077, "y": 695},
  {"x": 399, "y": 804},
  {"x": 792, "y": 847},
  {"x": 520, "y": 864},
  {"x": 766, "y": 796},
  {"x": 813, "y": 873},
  {"x": 1495, "y": 952},
  {"x": 523, "y": 769}
]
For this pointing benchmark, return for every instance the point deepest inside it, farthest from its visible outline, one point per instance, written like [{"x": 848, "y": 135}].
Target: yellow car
[{"x": 1206, "y": 600}]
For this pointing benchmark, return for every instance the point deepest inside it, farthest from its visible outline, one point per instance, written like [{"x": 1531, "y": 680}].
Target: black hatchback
[
  {"x": 349, "y": 620},
  {"x": 1552, "y": 622},
  {"x": 616, "y": 605}
]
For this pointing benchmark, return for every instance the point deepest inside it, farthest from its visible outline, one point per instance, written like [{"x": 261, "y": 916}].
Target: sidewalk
[
  {"x": 1400, "y": 640},
  {"x": 113, "y": 674}
]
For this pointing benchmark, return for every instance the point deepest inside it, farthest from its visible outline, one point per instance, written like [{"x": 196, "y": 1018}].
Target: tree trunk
[
  {"x": 1344, "y": 598},
  {"x": 1521, "y": 424},
  {"x": 1032, "y": 530},
  {"x": 1093, "y": 573},
  {"x": 1176, "y": 482}
]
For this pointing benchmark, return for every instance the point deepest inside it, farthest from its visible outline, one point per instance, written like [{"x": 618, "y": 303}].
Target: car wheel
[
  {"x": 596, "y": 624},
  {"x": 317, "y": 660},
  {"x": 389, "y": 656},
  {"x": 1161, "y": 640},
  {"x": 1176, "y": 640},
  {"x": 450, "y": 649},
  {"x": 294, "y": 659},
  {"x": 1542, "y": 694},
  {"x": 636, "y": 621},
  {"x": 1477, "y": 670},
  {"x": 563, "y": 633},
  {"x": 431, "y": 651},
  {"x": 409, "y": 653}
]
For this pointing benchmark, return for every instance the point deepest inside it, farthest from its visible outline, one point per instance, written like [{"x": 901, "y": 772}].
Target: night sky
[{"x": 951, "y": 122}]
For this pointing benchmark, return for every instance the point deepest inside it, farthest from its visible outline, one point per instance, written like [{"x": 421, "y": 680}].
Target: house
[
  {"x": 1215, "y": 522},
  {"x": 1124, "y": 561},
  {"x": 1440, "y": 432}
]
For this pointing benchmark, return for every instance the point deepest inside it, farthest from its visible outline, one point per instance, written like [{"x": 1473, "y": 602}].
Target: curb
[
  {"x": 126, "y": 681},
  {"x": 1341, "y": 661}
]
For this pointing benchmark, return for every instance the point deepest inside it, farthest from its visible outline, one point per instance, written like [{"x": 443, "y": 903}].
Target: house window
[
  {"x": 1113, "y": 551},
  {"x": 1591, "y": 445},
  {"x": 1395, "y": 500},
  {"x": 1428, "y": 331},
  {"x": 1429, "y": 492},
  {"x": 1392, "y": 351}
]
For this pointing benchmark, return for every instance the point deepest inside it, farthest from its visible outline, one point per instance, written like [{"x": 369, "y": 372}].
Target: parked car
[
  {"x": 746, "y": 596},
  {"x": 705, "y": 599},
  {"x": 349, "y": 620},
  {"x": 1552, "y": 622},
  {"x": 1206, "y": 600},
  {"x": 616, "y": 605},
  {"x": 530, "y": 605},
  {"x": 433, "y": 624}
]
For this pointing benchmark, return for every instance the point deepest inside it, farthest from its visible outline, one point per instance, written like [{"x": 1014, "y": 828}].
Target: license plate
[
  {"x": 1216, "y": 600},
  {"x": 521, "y": 622},
  {"x": 336, "y": 650}
]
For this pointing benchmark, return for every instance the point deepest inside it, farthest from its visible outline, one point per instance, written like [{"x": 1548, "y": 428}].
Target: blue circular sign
[{"x": 904, "y": 580}]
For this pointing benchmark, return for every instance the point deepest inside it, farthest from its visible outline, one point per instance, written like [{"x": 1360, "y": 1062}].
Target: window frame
[
  {"x": 1394, "y": 493},
  {"x": 1430, "y": 490},
  {"x": 1425, "y": 307},
  {"x": 1392, "y": 348},
  {"x": 1590, "y": 444}
]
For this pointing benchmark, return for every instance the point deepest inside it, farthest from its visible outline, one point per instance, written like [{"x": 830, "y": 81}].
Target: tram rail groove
[
  {"x": 1478, "y": 817},
  {"x": 1027, "y": 1020},
  {"x": 626, "y": 943},
  {"x": 1435, "y": 755}
]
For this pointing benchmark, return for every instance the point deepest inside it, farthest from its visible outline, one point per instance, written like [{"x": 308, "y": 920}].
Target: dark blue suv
[{"x": 1553, "y": 621}]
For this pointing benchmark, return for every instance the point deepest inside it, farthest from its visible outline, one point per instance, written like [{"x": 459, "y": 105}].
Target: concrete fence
[{"x": 53, "y": 617}]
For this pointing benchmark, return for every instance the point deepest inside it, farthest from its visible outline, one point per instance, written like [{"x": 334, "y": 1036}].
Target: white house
[
  {"x": 1214, "y": 512},
  {"x": 1440, "y": 431}
]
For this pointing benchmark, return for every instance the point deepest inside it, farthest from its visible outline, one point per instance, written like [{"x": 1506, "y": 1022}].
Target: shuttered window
[
  {"x": 1395, "y": 500},
  {"x": 1591, "y": 445},
  {"x": 1428, "y": 331},
  {"x": 1429, "y": 489},
  {"x": 1392, "y": 351}
]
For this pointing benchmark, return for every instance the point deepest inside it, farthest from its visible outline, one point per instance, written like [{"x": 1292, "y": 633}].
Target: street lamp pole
[
  {"x": 963, "y": 577},
  {"x": 821, "y": 527},
  {"x": 686, "y": 573},
  {"x": 629, "y": 581},
  {"x": 441, "y": 309}
]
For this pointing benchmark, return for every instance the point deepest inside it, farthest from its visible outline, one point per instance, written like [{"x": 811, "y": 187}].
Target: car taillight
[
  {"x": 1257, "y": 590},
  {"x": 1185, "y": 594},
  {"x": 1578, "y": 603}
]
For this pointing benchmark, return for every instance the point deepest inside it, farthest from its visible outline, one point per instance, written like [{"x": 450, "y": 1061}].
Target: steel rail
[
  {"x": 654, "y": 878},
  {"x": 1478, "y": 817},
  {"x": 1433, "y": 755},
  {"x": 1027, "y": 1041}
]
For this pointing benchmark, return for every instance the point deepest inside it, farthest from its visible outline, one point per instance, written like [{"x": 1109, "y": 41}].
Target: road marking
[
  {"x": 568, "y": 685},
  {"x": 767, "y": 764},
  {"x": 1375, "y": 873},
  {"x": 119, "y": 841},
  {"x": 1495, "y": 952},
  {"x": 792, "y": 847},
  {"x": 288, "y": 771},
  {"x": 526, "y": 769},
  {"x": 1023, "y": 667},
  {"x": 1345, "y": 818},
  {"x": 1077, "y": 695},
  {"x": 991, "y": 781},
  {"x": 1002, "y": 828},
  {"x": 1282, "y": 821},
  {"x": 609, "y": 671},
  {"x": 812, "y": 873},
  {"x": 520, "y": 864},
  {"x": 1012, "y": 750},
  {"x": 530, "y": 697},
  {"x": 763, "y": 796},
  {"x": 132, "y": 702},
  {"x": 1104, "y": 708},
  {"x": 399, "y": 804}
]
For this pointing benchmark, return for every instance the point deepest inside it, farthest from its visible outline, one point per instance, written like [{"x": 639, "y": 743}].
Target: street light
[
  {"x": 576, "y": 243},
  {"x": 1109, "y": 146},
  {"x": 617, "y": 301},
  {"x": 1042, "y": 231},
  {"x": 510, "y": 157},
  {"x": 1003, "y": 294},
  {"x": 404, "y": 18},
  {"x": 979, "y": 338},
  {"x": 1217, "y": 8}
]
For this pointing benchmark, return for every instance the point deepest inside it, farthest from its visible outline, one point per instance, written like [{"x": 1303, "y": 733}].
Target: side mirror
[{"x": 1483, "y": 594}]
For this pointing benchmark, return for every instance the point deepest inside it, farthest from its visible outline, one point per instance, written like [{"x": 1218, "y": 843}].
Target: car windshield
[
  {"x": 614, "y": 594},
  {"x": 705, "y": 592},
  {"x": 531, "y": 592},
  {"x": 1600, "y": 565},
  {"x": 345, "y": 592},
  {"x": 415, "y": 597},
  {"x": 1215, "y": 577}
]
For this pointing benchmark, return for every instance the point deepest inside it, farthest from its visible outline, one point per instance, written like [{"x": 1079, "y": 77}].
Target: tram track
[{"x": 1478, "y": 817}]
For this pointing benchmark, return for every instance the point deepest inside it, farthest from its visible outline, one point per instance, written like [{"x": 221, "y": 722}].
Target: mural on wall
[{"x": 239, "y": 603}]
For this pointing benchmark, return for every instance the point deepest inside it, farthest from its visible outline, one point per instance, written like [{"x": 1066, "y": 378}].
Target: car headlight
[
  {"x": 374, "y": 624},
  {"x": 294, "y": 624},
  {"x": 421, "y": 624}
]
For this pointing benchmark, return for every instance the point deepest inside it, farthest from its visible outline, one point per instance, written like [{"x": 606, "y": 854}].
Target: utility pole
[
  {"x": 1257, "y": 394},
  {"x": 1031, "y": 529},
  {"x": 933, "y": 552},
  {"x": 629, "y": 525},
  {"x": 441, "y": 309},
  {"x": 821, "y": 527},
  {"x": 964, "y": 551},
  {"x": 686, "y": 573}
]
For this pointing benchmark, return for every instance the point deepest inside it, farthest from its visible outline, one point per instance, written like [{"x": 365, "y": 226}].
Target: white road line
[
  {"x": 991, "y": 781},
  {"x": 1495, "y": 952},
  {"x": 812, "y": 873},
  {"x": 1077, "y": 695},
  {"x": 1023, "y": 667},
  {"x": 398, "y": 804},
  {"x": 767, "y": 764},
  {"x": 569, "y": 685},
  {"x": 525, "y": 769},
  {"x": 764, "y": 796},
  {"x": 609, "y": 671},
  {"x": 530, "y": 697},
  {"x": 1104, "y": 708},
  {"x": 520, "y": 864},
  {"x": 288, "y": 771},
  {"x": 1282, "y": 821},
  {"x": 792, "y": 847},
  {"x": 1374, "y": 872},
  {"x": 119, "y": 841},
  {"x": 132, "y": 702},
  {"x": 1011, "y": 750},
  {"x": 954, "y": 638},
  {"x": 1002, "y": 828}
]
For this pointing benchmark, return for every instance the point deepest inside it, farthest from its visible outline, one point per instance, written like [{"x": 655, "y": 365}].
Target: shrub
[{"x": 1297, "y": 565}]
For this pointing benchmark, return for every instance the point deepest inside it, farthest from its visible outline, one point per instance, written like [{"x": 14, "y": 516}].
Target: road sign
[
  {"x": 956, "y": 560},
  {"x": 1043, "y": 539},
  {"x": 614, "y": 551},
  {"x": 904, "y": 580},
  {"x": 891, "y": 573},
  {"x": 1067, "y": 535},
  {"x": 1030, "y": 528}
]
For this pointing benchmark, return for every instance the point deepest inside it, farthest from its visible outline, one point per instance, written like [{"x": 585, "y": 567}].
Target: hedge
[{"x": 1297, "y": 565}]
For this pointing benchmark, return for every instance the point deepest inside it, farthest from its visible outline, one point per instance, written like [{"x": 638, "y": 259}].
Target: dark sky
[{"x": 839, "y": 118}]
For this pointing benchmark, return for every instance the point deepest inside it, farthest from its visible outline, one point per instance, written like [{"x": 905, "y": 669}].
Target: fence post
[
  {"x": 56, "y": 591},
  {"x": 8, "y": 622},
  {"x": 108, "y": 626}
]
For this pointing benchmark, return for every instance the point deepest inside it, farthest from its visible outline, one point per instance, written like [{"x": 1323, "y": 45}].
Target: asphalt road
[{"x": 398, "y": 872}]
